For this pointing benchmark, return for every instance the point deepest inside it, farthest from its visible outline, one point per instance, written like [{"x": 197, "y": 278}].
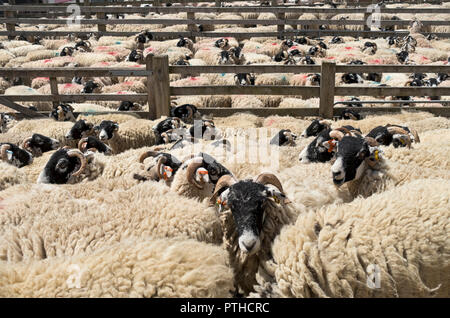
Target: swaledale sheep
[
  {"x": 252, "y": 213},
  {"x": 159, "y": 268},
  {"x": 397, "y": 239}
]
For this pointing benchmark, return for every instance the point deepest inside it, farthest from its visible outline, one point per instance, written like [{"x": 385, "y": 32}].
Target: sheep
[
  {"x": 132, "y": 134},
  {"x": 65, "y": 89},
  {"x": 164, "y": 167},
  {"x": 87, "y": 59},
  {"x": 5, "y": 57},
  {"x": 15, "y": 155},
  {"x": 26, "y": 90},
  {"x": 250, "y": 225},
  {"x": 37, "y": 144},
  {"x": 191, "y": 269},
  {"x": 11, "y": 175},
  {"x": 332, "y": 252}
]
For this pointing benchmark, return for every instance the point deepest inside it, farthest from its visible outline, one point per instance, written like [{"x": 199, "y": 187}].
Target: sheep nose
[
  {"x": 249, "y": 245},
  {"x": 336, "y": 174}
]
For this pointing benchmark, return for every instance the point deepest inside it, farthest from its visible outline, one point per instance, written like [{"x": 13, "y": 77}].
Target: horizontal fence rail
[{"x": 159, "y": 91}]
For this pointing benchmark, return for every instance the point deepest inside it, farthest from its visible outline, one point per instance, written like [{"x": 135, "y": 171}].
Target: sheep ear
[
  {"x": 116, "y": 127},
  {"x": 364, "y": 152},
  {"x": 277, "y": 196}
]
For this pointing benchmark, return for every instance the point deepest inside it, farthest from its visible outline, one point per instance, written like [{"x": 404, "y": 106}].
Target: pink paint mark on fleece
[
  {"x": 205, "y": 48},
  {"x": 128, "y": 83},
  {"x": 274, "y": 43},
  {"x": 101, "y": 48},
  {"x": 104, "y": 63},
  {"x": 349, "y": 48},
  {"x": 331, "y": 58},
  {"x": 43, "y": 78},
  {"x": 47, "y": 61},
  {"x": 425, "y": 58},
  {"x": 120, "y": 93},
  {"x": 350, "y": 54},
  {"x": 112, "y": 53},
  {"x": 149, "y": 49},
  {"x": 269, "y": 122},
  {"x": 376, "y": 61},
  {"x": 68, "y": 85},
  {"x": 304, "y": 76},
  {"x": 193, "y": 78}
]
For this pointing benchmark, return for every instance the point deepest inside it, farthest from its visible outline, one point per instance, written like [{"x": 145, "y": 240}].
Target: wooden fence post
[
  {"x": 327, "y": 82},
  {"x": 191, "y": 26},
  {"x": 54, "y": 89},
  {"x": 11, "y": 26},
  {"x": 101, "y": 27},
  {"x": 218, "y": 3},
  {"x": 280, "y": 27},
  {"x": 161, "y": 85},
  {"x": 150, "y": 85}
]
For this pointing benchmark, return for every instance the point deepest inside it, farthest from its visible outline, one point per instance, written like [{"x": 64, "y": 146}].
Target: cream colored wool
[
  {"x": 41, "y": 55},
  {"x": 239, "y": 120},
  {"x": 269, "y": 100},
  {"x": 299, "y": 103},
  {"x": 429, "y": 153},
  {"x": 118, "y": 117},
  {"x": 431, "y": 123},
  {"x": 11, "y": 44},
  {"x": 308, "y": 16},
  {"x": 132, "y": 86},
  {"x": 87, "y": 59},
  {"x": 16, "y": 62},
  {"x": 299, "y": 80},
  {"x": 246, "y": 101},
  {"x": 24, "y": 50},
  {"x": 327, "y": 253},
  {"x": 210, "y": 55},
  {"x": 10, "y": 176},
  {"x": 4, "y": 85},
  {"x": 191, "y": 269},
  {"x": 52, "y": 44},
  {"x": 255, "y": 58},
  {"x": 5, "y": 57},
  {"x": 221, "y": 78},
  {"x": 119, "y": 52},
  {"x": 59, "y": 61},
  {"x": 272, "y": 79},
  {"x": 38, "y": 82},
  {"x": 120, "y": 41},
  {"x": 25, "y": 90},
  {"x": 103, "y": 213},
  {"x": 89, "y": 108},
  {"x": 66, "y": 89}
]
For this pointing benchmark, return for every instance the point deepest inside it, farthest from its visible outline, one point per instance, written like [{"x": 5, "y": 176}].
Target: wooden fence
[
  {"x": 11, "y": 19},
  {"x": 159, "y": 91}
]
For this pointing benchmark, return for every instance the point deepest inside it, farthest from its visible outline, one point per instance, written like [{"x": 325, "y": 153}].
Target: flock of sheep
[{"x": 113, "y": 205}]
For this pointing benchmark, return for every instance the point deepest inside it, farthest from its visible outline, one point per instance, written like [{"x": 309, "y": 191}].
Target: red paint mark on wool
[
  {"x": 348, "y": 48},
  {"x": 274, "y": 43},
  {"x": 376, "y": 61},
  {"x": 68, "y": 85},
  {"x": 424, "y": 58},
  {"x": 270, "y": 122},
  {"x": 112, "y": 53},
  {"x": 104, "y": 63},
  {"x": 149, "y": 49},
  {"x": 138, "y": 65},
  {"x": 304, "y": 76},
  {"x": 294, "y": 47},
  {"x": 331, "y": 58},
  {"x": 47, "y": 61},
  {"x": 193, "y": 78},
  {"x": 43, "y": 78},
  {"x": 205, "y": 48},
  {"x": 120, "y": 93},
  {"x": 100, "y": 48},
  {"x": 128, "y": 83},
  {"x": 350, "y": 54}
]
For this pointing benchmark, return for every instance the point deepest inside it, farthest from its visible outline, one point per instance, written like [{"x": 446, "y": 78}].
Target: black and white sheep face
[
  {"x": 352, "y": 78},
  {"x": 93, "y": 144},
  {"x": 38, "y": 144},
  {"x": 315, "y": 128},
  {"x": 402, "y": 56},
  {"x": 90, "y": 87},
  {"x": 224, "y": 57},
  {"x": 221, "y": 44},
  {"x": 186, "y": 112},
  {"x": 350, "y": 159},
  {"x": 313, "y": 79},
  {"x": 349, "y": 113},
  {"x": 284, "y": 137},
  {"x": 63, "y": 112},
  {"x": 205, "y": 129},
  {"x": 307, "y": 60},
  {"x": 14, "y": 155},
  {"x": 321, "y": 149},
  {"x": 63, "y": 164},
  {"x": 442, "y": 77},
  {"x": 67, "y": 51},
  {"x": 165, "y": 125},
  {"x": 79, "y": 130},
  {"x": 244, "y": 79},
  {"x": 106, "y": 129},
  {"x": 336, "y": 40},
  {"x": 381, "y": 135},
  {"x": 128, "y": 106}
]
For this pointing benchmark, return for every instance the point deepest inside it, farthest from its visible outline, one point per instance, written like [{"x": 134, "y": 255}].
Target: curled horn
[
  {"x": 190, "y": 112},
  {"x": 60, "y": 113},
  {"x": 147, "y": 154},
  {"x": 325, "y": 122},
  {"x": 224, "y": 181},
  {"x": 26, "y": 144},
  {"x": 415, "y": 135},
  {"x": 161, "y": 160},
  {"x": 82, "y": 144},
  {"x": 79, "y": 155},
  {"x": 336, "y": 134},
  {"x": 269, "y": 178},
  {"x": 396, "y": 130},
  {"x": 191, "y": 168},
  {"x": 371, "y": 141},
  {"x": 3, "y": 150}
]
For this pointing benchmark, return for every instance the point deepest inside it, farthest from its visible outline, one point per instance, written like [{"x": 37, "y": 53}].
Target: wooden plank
[
  {"x": 280, "y": 16},
  {"x": 160, "y": 83},
  {"x": 279, "y": 21},
  {"x": 54, "y": 89},
  {"x": 191, "y": 25},
  {"x": 101, "y": 27},
  {"x": 150, "y": 87},
  {"x": 73, "y": 71},
  {"x": 327, "y": 80},
  {"x": 240, "y": 35},
  {"x": 10, "y": 27},
  {"x": 173, "y": 9},
  {"x": 78, "y": 97},
  {"x": 311, "y": 91},
  {"x": 391, "y": 91},
  {"x": 244, "y": 69},
  {"x": 392, "y": 68},
  {"x": 6, "y": 101}
]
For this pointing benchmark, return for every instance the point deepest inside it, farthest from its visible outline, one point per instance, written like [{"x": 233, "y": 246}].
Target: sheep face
[
  {"x": 284, "y": 137},
  {"x": 14, "y": 155},
  {"x": 321, "y": 149},
  {"x": 135, "y": 56},
  {"x": 67, "y": 51},
  {"x": 38, "y": 144},
  {"x": 63, "y": 112},
  {"x": 93, "y": 144},
  {"x": 351, "y": 78},
  {"x": 106, "y": 129},
  {"x": 186, "y": 112},
  {"x": 381, "y": 135},
  {"x": 350, "y": 159},
  {"x": 63, "y": 164},
  {"x": 349, "y": 113},
  {"x": 127, "y": 106},
  {"x": 224, "y": 57},
  {"x": 315, "y": 128},
  {"x": 244, "y": 79},
  {"x": 402, "y": 56},
  {"x": 204, "y": 129},
  {"x": 90, "y": 87},
  {"x": 79, "y": 130}
]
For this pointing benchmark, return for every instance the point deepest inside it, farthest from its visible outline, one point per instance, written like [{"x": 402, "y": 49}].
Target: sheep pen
[{"x": 176, "y": 194}]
